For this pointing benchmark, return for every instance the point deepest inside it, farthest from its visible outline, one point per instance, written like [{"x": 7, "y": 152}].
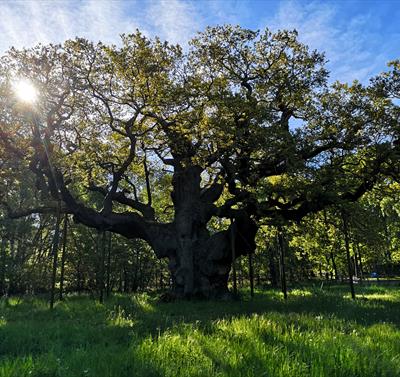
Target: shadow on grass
[
  {"x": 335, "y": 302},
  {"x": 94, "y": 338},
  {"x": 78, "y": 338}
]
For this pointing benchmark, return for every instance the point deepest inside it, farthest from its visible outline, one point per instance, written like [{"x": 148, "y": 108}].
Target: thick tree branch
[
  {"x": 23, "y": 212},
  {"x": 120, "y": 196}
]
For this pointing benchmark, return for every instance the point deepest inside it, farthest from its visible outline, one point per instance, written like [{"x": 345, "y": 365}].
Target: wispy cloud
[
  {"x": 347, "y": 44},
  {"x": 26, "y": 23},
  {"x": 354, "y": 48},
  {"x": 174, "y": 20}
]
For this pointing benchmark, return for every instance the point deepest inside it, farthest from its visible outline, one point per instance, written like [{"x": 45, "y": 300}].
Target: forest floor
[{"x": 317, "y": 332}]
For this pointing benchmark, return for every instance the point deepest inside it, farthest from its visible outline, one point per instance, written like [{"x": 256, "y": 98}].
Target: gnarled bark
[{"x": 199, "y": 261}]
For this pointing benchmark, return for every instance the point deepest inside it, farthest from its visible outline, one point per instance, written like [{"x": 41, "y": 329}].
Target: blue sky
[{"x": 359, "y": 37}]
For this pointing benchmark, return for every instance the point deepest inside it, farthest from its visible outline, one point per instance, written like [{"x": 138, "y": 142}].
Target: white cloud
[
  {"x": 26, "y": 23},
  {"x": 106, "y": 20},
  {"x": 174, "y": 20},
  {"x": 347, "y": 44},
  {"x": 353, "y": 51}
]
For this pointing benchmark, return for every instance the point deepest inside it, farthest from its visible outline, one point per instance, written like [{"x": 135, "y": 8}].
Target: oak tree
[{"x": 155, "y": 142}]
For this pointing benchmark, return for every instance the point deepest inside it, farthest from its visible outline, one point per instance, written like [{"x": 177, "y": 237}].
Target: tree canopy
[{"x": 155, "y": 142}]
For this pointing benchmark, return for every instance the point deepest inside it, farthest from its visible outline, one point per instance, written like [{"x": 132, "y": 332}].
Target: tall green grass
[{"x": 315, "y": 333}]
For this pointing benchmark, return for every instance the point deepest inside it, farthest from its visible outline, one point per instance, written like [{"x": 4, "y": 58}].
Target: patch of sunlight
[
  {"x": 14, "y": 301},
  {"x": 118, "y": 317},
  {"x": 384, "y": 329},
  {"x": 3, "y": 321},
  {"x": 300, "y": 292},
  {"x": 376, "y": 298},
  {"x": 142, "y": 302},
  {"x": 380, "y": 296}
]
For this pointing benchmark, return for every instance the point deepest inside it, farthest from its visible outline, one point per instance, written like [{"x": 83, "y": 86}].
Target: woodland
[{"x": 235, "y": 163}]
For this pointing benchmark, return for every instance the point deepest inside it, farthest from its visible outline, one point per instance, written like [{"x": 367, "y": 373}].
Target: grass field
[{"x": 315, "y": 333}]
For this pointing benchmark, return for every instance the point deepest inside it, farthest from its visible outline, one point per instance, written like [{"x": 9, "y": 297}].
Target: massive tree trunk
[{"x": 199, "y": 261}]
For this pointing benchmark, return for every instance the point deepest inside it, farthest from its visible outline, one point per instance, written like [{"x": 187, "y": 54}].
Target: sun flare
[{"x": 25, "y": 91}]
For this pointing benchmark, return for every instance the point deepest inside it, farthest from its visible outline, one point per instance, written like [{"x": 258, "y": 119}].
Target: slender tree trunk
[
  {"x": 328, "y": 244},
  {"x": 147, "y": 176},
  {"x": 240, "y": 272},
  {"x": 12, "y": 242},
  {"x": 251, "y": 275},
  {"x": 13, "y": 263},
  {"x": 101, "y": 249},
  {"x": 273, "y": 270},
  {"x": 360, "y": 261},
  {"x": 387, "y": 239},
  {"x": 321, "y": 275},
  {"x": 54, "y": 250},
  {"x": 161, "y": 280},
  {"x": 347, "y": 245},
  {"x": 109, "y": 263},
  {"x": 355, "y": 262},
  {"x": 328, "y": 275},
  {"x": 126, "y": 283},
  {"x": 281, "y": 243},
  {"x": 63, "y": 256},
  {"x": 3, "y": 265},
  {"x": 79, "y": 282},
  {"x": 334, "y": 265},
  {"x": 234, "y": 278},
  {"x": 120, "y": 285},
  {"x": 136, "y": 270},
  {"x": 19, "y": 263}
]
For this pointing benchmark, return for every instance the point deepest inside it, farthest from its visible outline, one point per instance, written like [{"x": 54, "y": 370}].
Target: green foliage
[
  {"x": 249, "y": 114},
  {"x": 229, "y": 105}
]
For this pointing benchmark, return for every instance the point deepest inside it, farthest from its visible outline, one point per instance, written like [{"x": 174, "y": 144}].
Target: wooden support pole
[
  {"x": 251, "y": 275},
  {"x": 281, "y": 244},
  {"x": 233, "y": 248},
  {"x": 348, "y": 257},
  {"x": 109, "y": 264},
  {"x": 54, "y": 250},
  {"x": 63, "y": 256}
]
